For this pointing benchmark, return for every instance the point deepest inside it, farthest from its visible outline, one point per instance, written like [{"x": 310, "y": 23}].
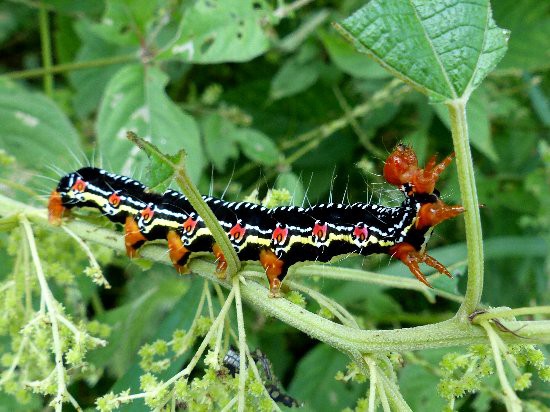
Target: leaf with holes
[
  {"x": 135, "y": 101},
  {"x": 442, "y": 48},
  {"x": 220, "y": 31}
]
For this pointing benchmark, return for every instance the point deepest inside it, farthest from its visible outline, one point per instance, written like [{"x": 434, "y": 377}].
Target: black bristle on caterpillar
[{"x": 278, "y": 237}]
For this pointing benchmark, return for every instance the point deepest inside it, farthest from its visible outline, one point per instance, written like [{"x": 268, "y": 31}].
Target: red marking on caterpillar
[
  {"x": 147, "y": 214},
  {"x": 79, "y": 186},
  {"x": 361, "y": 232},
  {"x": 237, "y": 232},
  {"x": 189, "y": 225},
  {"x": 278, "y": 237},
  {"x": 114, "y": 199},
  {"x": 319, "y": 231}
]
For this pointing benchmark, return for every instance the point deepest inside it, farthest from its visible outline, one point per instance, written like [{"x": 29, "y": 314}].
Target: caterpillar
[{"x": 277, "y": 237}]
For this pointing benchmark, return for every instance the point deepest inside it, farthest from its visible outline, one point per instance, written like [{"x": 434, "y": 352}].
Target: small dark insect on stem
[{"x": 497, "y": 323}]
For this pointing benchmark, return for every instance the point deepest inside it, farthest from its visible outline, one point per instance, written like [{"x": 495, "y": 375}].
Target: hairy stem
[
  {"x": 466, "y": 180},
  {"x": 46, "y": 46},
  {"x": 372, "y": 386},
  {"x": 509, "y": 313},
  {"x": 69, "y": 67},
  {"x": 513, "y": 403},
  {"x": 243, "y": 372},
  {"x": 52, "y": 314}
]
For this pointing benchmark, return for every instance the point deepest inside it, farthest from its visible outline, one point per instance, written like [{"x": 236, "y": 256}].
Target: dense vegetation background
[{"x": 267, "y": 95}]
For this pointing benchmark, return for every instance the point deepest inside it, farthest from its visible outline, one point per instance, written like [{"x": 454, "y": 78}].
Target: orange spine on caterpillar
[{"x": 278, "y": 237}]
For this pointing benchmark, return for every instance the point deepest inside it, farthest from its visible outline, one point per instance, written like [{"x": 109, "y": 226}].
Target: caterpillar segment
[{"x": 278, "y": 237}]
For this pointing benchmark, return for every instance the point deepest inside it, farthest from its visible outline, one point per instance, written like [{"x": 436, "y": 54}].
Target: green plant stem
[
  {"x": 61, "y": 68},
  {"x": 509, "y": 313},
  {"x": 52, "y": 315},
  {"x": 207, "y": 339},
  {"x": 337, "y": 310},
  {"x": 444, "y": 334},
  {"x": 286, "y": 9},
  {"x": 99, "y": 279},
  {"x": 466, "y": 180},
  {"x": 372, "y": 386},
  {"x": 243, "y": 372},
  {"x": 364, "y": 276},
  {"x": 252, "y": 366},
  {"x": 46, "y": 46},
  {"x": 512, "y": 401}
]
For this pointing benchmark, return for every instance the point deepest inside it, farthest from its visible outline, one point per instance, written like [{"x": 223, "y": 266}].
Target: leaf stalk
[{"x": 472, "y": 220}]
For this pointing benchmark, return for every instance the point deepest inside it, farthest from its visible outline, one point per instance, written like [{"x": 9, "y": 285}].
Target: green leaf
[
  {"x": 9, "y": 403},
  {"x": 89, "y": 84},
  {"x": 314, "y": 382},
  {"x": 160, "y": 174},
  {"x": 348, "y": 60},
  {"x": 135, "y": 101},
  {"x": 35, "y": 130},
  {"x": 479, "y": 124},
  {"x": 298, "y": 73},
  {"x": 138, "y": 319},
  {"x": 444, "y": 49},
  {"x": 124, "y": 22},
  {"x": 293, "y": 184},
  {"x": 179, "y": 317},
  {"x": 257, "y": 146},
  {"x": 75, "y": 8},
  {"x": 539, "y": 100},
  {"x": 214, "y": 31},
  {"x": 418, "y": 384},
  {"x": 218, "y": 144},
  {"x": 294, "y": 77},
  {"x": 12, "y": 17}
]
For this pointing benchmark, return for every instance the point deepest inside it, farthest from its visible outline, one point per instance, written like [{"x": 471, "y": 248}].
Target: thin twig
[
  {"x": 52, "y": 314},
  {"x": 512, "y": 401},
  {"x": 243, "y": 373},
  {"x": 98, "y": 278}
]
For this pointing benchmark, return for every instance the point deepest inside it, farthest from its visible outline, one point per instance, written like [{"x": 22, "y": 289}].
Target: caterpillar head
[
  {"x": 88, "y": 187},
  {"x": 69, "y": 193}
]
